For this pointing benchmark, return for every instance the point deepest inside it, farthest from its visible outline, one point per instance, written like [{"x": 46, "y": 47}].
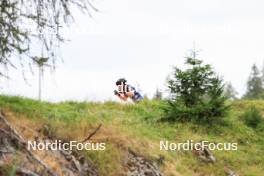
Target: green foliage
[
  {"x": 254, "y": 85},
  {"x": 25, "y": 22},
  {"x": 8, "y": 169},
  {"x": 252, "y": 117},
  {"x": 131, "y": 126},
  {"x": 196, "y": 94}
]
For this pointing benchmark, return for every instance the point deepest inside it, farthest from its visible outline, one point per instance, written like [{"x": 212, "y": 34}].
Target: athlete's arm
[
  {"x": 121, "y": 96},
  {"x": 130, "y": 94}
]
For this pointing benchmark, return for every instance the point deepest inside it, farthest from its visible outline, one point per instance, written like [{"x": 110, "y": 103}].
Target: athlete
[{"x": 125, "y": 91}]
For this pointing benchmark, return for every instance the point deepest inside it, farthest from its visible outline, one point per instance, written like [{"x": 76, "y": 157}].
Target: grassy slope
[{"x": 134, "y": 126}]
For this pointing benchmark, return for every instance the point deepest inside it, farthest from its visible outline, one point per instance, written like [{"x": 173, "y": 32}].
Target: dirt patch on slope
[{"x": 17, "y": 159}]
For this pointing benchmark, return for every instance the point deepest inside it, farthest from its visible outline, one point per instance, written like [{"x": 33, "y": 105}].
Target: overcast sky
[{"x": 142, "y": 39}]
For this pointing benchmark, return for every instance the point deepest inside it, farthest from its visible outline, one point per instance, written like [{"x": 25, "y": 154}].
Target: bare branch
[{"x": 92, "y": 134}]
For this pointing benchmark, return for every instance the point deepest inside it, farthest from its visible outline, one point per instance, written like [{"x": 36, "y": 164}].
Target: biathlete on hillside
[{"x": 125, "y": 91}]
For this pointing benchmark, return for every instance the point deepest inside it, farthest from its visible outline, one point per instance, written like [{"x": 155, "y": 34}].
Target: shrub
[
  {"x": 252, "y": 117},
  {"x": 197, "y": 93}
]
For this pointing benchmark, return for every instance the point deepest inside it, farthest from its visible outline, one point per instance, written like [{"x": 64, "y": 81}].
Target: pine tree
[
  {"x": 157, "y": 95},
  {"x": 33, "y": 28},
  {"x": 262, "y": 72},
  {"x": 197, "y": 93},
  {"x": 230, "y": 91},
  {"x": 254, "y": 84}
]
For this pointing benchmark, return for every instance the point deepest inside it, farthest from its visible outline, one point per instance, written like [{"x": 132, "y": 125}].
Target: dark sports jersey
[{"x": 123, "y": 89}]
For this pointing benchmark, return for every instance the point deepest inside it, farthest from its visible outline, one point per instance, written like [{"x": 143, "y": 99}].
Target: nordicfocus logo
[
  {"x": 190, "y": 145},
  {"x": 59, "y": 145}
]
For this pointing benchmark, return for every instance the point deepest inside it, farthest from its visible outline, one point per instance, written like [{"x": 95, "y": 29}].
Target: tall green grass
[{"x": 139, "y": 128}]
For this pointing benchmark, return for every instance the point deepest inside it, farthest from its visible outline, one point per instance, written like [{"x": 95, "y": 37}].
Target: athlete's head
[{"x": 121, "y": 81}]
